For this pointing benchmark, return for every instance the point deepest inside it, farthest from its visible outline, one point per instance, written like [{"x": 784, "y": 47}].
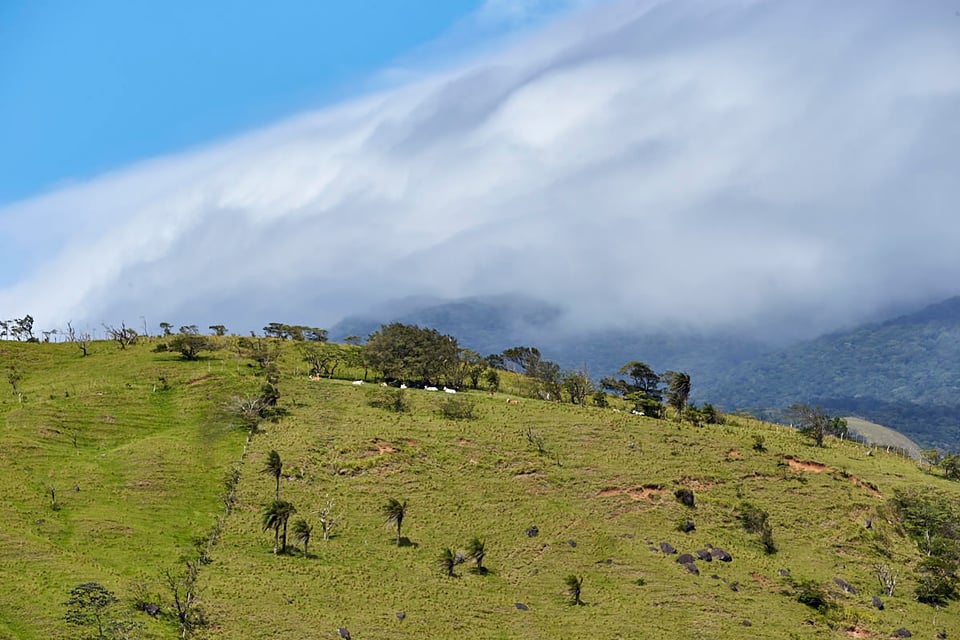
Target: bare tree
[
  {"x": 888, "y": 581},
  {"x": 183, "y": 592},
  {"x": 123, "y": 336},
  {"x": 327, "y": 520}
]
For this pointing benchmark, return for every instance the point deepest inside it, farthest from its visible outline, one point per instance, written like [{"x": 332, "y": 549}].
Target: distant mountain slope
[{"x": 904, "y": 373}]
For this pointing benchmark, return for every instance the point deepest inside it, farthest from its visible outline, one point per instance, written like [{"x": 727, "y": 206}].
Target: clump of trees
[
  {"x": 410, "y": 354},
  {"x": 932, "y": 520},
  {"x": 21, "y": 329},
  {"x": 296, "y": 332},
  {"x": 949, "y": 464}
]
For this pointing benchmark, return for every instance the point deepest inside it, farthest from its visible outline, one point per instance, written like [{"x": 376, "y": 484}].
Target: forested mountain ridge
[{"x": 904, "y": 373}]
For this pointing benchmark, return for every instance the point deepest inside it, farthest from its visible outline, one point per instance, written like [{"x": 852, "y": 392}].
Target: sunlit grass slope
[
  {"x": 150, "y": 466},
  {"x": 142, "y": 483}
]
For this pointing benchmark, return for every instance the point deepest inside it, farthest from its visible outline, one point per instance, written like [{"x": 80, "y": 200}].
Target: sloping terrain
[{"x": 155, "y": 445}]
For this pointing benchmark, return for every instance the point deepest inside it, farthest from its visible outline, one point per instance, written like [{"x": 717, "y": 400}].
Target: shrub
[
  {"x": 810, "y": 593},
  {"x": 684, "y": 496},
  {"x": 457, "y": 408},
  {"x": 390, "y": 399}
]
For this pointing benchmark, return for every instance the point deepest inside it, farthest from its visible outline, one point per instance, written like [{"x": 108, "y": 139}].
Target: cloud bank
[{"x": 710, "y": 164}]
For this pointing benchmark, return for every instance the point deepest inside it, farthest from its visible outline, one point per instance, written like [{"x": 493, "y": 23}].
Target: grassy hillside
[{"x": 151, "y": 459}]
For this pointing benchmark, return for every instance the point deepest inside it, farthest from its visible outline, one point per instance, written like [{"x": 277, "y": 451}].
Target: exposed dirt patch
[
  {"x": 645, "y": 492},
  {"x": 817, "y": 467},
  {"x": 200, "y": 379},
  {"x": 463, "y": 442},
  {"x": 805, "y": 465},
  {"x": 734, "y": 454},
  {"x": 866, "y": 486},
  {"x": 762, "y": 579},
  {"x": 108, "y": 419},
  {"x": 857, "y": 632},
  {"x": 383, "y": 446},
  {"x": 411, "y": 443}
]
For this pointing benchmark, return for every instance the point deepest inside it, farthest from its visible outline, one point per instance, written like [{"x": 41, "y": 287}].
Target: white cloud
[{"x": 706, "y": 163}]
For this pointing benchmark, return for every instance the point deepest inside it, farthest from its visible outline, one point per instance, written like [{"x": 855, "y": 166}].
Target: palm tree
[
  {"x": 574, "y": 584},
  {"x": 446, "y": 561},
  {"x": 274, "y": 467},
  {"x": 275, "y": 516},
  {"x": 475, "y": 551},
  {"x": 394, "y": 511},
  {"x": 301, "y": 534}
]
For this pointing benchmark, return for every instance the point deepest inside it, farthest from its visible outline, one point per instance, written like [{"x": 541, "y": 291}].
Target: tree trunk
[{"x": 276, "y": 540}]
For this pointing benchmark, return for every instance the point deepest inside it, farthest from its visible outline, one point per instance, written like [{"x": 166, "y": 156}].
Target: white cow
[
  {"x": 431, "y": 389},
  {"x": 358, "y": 382},
  {"x": 447, "y": 390}
]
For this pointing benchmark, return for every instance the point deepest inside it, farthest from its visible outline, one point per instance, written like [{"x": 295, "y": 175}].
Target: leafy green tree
[
  {"x": 218, "y": 329},
  {"x": 410, "y": 354},
  {"x": 476, "y": 551},
  {"x": 190, "y": 343},
  {"x": 274, "y": 467},
  {"x": 22, "y": 329},
  {"x": 492, "y": 378},
  {"x": 950, "y": 465},
  {"x": 88, "y": 605},
  {"x": 574, "y": 586},
  {"x": 678, "y": 390},
  {"x": 395, "y": 511},
  {"x": 166, "y": 328},
  {"x": 642, "y": 378},
  {"x": 301, "y": 534},
  {"x": 523, "y": 358},
  {"x": 275, "y": 516},
  {"x": 323, "y": 358},
  {"x": 578, "y": 386},
  {"x": 644, "y": 404},
  {"x": 599, "y": 399}
]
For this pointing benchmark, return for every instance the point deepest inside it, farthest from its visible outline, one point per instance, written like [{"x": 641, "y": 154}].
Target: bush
[
  {"x": 684, "y": 496},
  {"x": 457, "y": 408},
  {"x": 390, "y": 399},
  {"x": 811, "y": 594},
  {"x": 755, "y": 520}
]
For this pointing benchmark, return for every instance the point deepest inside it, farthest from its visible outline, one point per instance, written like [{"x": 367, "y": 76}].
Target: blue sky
[
  {"x": 89, "y": 86},
  {"x": 759, "y": 163}
]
